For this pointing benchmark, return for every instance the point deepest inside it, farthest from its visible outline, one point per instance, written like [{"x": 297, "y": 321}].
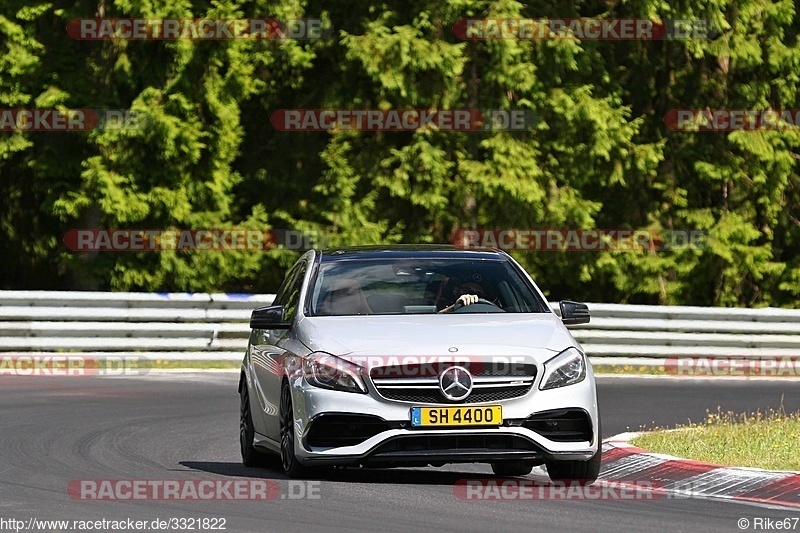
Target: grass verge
[
  {"x": 192, "y": 364},
  {"x": 767, "y": 440},
  {"x": 648, "y": 370}
]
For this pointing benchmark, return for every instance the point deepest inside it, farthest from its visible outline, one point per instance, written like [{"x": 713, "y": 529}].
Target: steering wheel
[{"x": 459, "y": 307}]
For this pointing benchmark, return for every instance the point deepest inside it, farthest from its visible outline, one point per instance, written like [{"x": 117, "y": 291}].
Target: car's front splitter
[{"x": 412, "y": 446}]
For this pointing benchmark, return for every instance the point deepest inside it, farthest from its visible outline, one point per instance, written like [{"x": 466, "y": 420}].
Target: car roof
[{"x": 408, "y": 251}]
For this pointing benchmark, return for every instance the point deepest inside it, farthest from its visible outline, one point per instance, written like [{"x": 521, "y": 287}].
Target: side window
[
  {"x": 292, "y": 295},
  {"x": 283, "y": 291}
]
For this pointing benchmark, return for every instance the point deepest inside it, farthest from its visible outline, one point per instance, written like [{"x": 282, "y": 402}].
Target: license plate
[{"x": 487, "y": 415}]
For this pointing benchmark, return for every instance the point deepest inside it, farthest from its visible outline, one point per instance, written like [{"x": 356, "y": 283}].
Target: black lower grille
[
  {"x": 333, "y": 431},
  {"x": 563, "y": 425},
  {"x": 455, "y": 443}
]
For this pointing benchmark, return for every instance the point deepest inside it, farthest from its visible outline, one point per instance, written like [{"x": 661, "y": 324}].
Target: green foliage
[{"x": 598, "y": 156}]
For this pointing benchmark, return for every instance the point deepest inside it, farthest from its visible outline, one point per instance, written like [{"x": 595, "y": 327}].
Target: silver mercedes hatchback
[{"x": 399, "y": 356}]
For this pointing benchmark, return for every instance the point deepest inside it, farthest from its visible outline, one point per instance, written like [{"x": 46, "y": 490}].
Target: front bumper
[
  {"x": 420, "y": 448},
  {"x": 395, "y": 442}
]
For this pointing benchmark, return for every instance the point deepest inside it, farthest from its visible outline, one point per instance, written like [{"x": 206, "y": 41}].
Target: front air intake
[
  {"x": 335, "y": 430},
  {"x": 562, "y": 425}
]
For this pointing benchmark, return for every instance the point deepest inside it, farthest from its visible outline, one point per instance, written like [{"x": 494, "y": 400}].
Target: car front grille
[{"x": 491, "y": 383}]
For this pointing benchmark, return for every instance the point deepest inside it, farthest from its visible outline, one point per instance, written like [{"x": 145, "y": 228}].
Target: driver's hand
[{"x": 467, "y": 299}]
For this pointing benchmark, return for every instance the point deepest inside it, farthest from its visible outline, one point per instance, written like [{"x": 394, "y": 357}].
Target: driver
[{"x": 466, "y": 293}]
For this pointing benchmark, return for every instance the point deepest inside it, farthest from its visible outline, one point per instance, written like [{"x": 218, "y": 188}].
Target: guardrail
[
  {"x": 215, "y": 326},
  {"x": 154, "y": 325}
]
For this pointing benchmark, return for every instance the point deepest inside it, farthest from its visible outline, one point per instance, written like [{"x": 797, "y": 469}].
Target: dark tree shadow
[{"x": 392, "y": 476}]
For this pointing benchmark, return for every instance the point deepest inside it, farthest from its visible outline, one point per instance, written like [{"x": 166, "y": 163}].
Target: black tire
[
  {"x": 582, "y": 472},
  {"x": 290, "y": 463},
  {"x": 250, "y": 455},
  {"x": 512, "y": 468}
]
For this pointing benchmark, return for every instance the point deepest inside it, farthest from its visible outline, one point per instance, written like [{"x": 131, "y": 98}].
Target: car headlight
[
  {"x": 330, "y": 372},
  {"x": 567, "y": 368}
]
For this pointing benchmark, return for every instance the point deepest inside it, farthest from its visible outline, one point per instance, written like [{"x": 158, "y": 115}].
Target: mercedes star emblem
[{"x": 455, "y": 383}]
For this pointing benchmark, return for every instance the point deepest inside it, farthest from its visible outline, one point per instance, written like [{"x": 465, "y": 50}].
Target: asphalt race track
[{"x": 56, "y": 430}]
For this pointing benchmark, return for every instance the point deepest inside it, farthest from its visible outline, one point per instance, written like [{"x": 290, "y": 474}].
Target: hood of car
[{"x": 530, "y": 334}]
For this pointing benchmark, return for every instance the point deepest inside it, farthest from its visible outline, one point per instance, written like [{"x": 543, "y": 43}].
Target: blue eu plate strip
[{"x": 416, "y": 416}]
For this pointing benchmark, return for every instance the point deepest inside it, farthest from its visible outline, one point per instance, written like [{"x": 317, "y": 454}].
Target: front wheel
[
  {"x": 289, "y": 460},
  {"x": 582, "y": 472},
  {"x": 250, "y": 455}
]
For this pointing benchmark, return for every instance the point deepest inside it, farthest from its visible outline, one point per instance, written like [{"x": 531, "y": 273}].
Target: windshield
[{"x": 428, "y": 286}]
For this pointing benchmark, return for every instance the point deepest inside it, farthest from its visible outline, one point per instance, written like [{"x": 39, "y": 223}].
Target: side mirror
[
  {"x": 271, "y": 317},
  {"x": 574, "y": 312}
]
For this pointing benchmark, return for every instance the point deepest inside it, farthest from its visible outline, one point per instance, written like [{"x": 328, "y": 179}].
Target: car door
[{"x": 268, "y": 365}]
